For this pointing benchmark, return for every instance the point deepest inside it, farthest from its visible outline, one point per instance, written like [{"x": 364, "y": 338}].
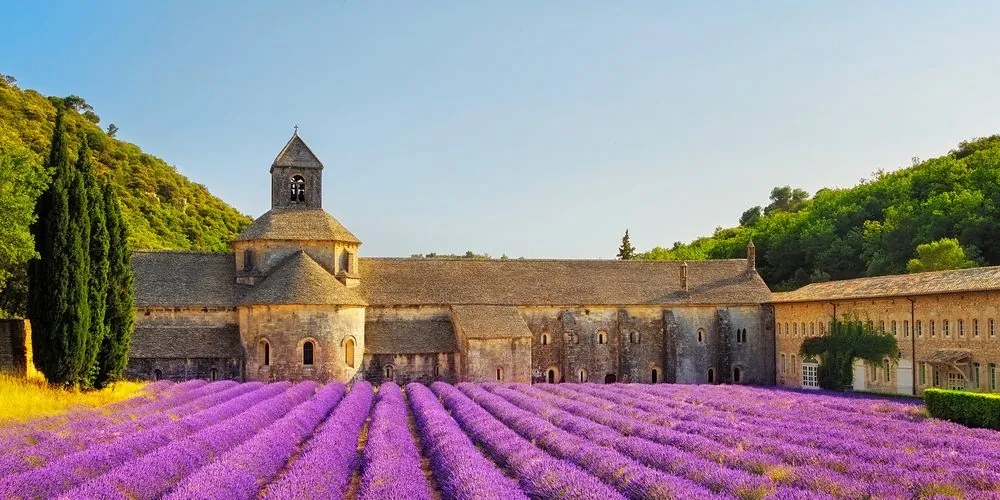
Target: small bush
[{"x": 968, "y": 408}]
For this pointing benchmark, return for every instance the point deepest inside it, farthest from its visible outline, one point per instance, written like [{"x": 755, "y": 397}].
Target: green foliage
[
  {"x": 58, "y": 278},
  {"x": 967, "y": 408},
  {"x": 751, "y": 216},
  {"x": 939, "y": 255},
  {"x": 98, "y": 264},
  {"x": 120, "y": 301},
  {"x": 163, "y": 209},
  {"x": 626, "y": 251},
  {"x": 872, "y": 229},
  {"x": 838, "y": 348}
]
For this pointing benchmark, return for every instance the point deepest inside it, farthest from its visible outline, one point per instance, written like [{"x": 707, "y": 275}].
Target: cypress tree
[
  {"x": 120, "y": 304},
  {"x": 57, "y": 295},
  {"x": 97, "y": 287},
  {"x": 626, "y": 251}
]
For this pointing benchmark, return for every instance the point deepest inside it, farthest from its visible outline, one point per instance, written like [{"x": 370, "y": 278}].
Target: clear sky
[{"x": 536, "y": 129}]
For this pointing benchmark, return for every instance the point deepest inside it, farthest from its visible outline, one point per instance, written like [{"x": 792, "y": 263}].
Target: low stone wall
[{"x": 15, "y": 347}]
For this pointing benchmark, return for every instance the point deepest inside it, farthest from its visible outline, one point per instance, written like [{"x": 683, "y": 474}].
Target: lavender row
[
  {"x": 390, "y": 463},
  {"x": 539, "y": 474},
  {"x": 608, "y": 459},
  {"x": 329, "y": 459},
  {"x": 154, "y": 474},
  {"x": 791, "y": 464},
  {"x": 53, "y": 446},
  {"x": 462, "y": 472},
  {"x": 243, "y": 471},
  {"x": 77, "y": 468},
  {"x": 16, "y": 437},
  {"x": 845, "y": 444}
]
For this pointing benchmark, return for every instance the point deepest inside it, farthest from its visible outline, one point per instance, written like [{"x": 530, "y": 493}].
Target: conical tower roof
[
  {"x": 299, "y": 280},
  {"x": 296, "y": 154}
]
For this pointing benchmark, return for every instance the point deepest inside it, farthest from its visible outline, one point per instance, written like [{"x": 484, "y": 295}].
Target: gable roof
[
  {"x": 489, "y": 322},
  {"x": 401, "y": 281},
  {"x": 410, "y": 336},
  {"x": 296, "y": 154},
  {"x": 178, "y": 279},
  {"x": 300, "y": 280},
  {"x": 313, "y": 224},
  {"x": 927, "y": 283},
  {"x": 185, "y": 342}
]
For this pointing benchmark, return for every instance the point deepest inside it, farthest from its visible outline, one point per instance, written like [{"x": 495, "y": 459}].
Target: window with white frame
[{"x": 810, "y": 375}]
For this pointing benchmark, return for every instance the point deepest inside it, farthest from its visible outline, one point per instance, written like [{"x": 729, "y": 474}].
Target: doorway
[{"x": 610, "y": 378}]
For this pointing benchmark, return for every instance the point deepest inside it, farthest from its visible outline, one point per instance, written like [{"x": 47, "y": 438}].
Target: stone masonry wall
[
  {"x": 406, "y": 368},
  {"x": 916, "y": 337},
  {"x": 15, "y": 347}
]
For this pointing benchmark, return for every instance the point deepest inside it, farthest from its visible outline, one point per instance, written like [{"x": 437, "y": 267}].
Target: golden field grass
[{"x": 23, "y": 399}]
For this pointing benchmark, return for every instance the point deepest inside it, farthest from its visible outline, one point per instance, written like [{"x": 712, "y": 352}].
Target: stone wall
[
  {"x": 15, "y": 347},
  {"x": 267, "y": 254},
  {"x": 913, "y": 317},
  {"x": 502, "y": 359},
  {"x": 405, "y": 368},
  {"x": 286, "y": 329},
  {"x": 183, "y": 368},
  {"x": 170, "y": 333},
  {"x": 281, "y": 180}
]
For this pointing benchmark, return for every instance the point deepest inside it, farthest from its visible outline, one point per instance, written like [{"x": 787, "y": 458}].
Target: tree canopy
[
  {"x": 939, "y": 255},
  {"x": 871, "y": 229}
]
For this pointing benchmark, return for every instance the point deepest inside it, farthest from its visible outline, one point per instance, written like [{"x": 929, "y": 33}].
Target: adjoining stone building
[
  {"x": 296, "y": 301},
  {"x": 945, "y": 323}
]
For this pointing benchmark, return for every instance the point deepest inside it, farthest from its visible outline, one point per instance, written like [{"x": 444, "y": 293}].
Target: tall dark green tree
[
  {"x": 120, "y": 304},
  {"x": 99, "y": 264},
  {"x": 58, "y": 278},
  {"x": 626, "y": 251}
]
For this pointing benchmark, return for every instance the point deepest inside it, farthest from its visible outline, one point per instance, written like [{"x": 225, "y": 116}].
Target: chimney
[
  {"x": 751, "y": 256},
  {"x": 684, "y": 276}
]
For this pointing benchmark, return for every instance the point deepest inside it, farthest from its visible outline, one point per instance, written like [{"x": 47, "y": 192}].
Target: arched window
[
  {"x": 213, "y": 374},
  {"x": 551, "y": 376},
  {"x": 298, "y": 188},
  {"x": 582, "y": 375},
  {"x": 307, "y": 354},
  {"x": 602, "y": 338},
  {"x": 655, "y": 377},
  {"x": 635, "y": 337},
  {"x": 265, "y": 352},
  {"x": 499, "y": 373},
  {"x": 701, "y": 335},
  {"x": 737, "y": 375},
  {"x": 157, "y": 374},
  {"x": 389, "y": 372},
  {"x": 349, "y": 353},
  {"x": 437, "y": 371},
  {"x": 711, "y": 376},
  {"x": 545, "y": 339}
]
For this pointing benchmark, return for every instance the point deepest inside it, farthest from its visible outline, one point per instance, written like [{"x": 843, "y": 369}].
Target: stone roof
[
  {"x": 179, "y": 279},
  {"x": 297, "y": 224},
  {"x": 296, "y": 154},
  {"x": 299, "y": 280},
  {"x": 928, "y": 283},
  {"x": 401, "y": 281},
  {"x": 410, "y": 336},
  {"x": 489, "y": 322},
  {"x": 186, "y": 342}
]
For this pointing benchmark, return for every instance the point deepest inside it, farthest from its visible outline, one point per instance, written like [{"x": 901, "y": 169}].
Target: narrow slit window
[{"x": 307, "y": 354}]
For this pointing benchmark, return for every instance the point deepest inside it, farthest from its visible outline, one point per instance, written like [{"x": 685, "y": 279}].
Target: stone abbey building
[{"x": 295, "y": 300}]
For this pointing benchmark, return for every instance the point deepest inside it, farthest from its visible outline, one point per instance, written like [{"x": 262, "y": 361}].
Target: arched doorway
[
  {"x": 711, "y": 376},
  {"x": 551, "y": 376},
  {"x": 610, "y": 378},
  {"x": 655, "y": 378},
  {"x": 737, "y": 375}
]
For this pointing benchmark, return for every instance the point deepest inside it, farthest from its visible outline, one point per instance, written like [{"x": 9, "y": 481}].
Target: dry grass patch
[{"x": 23, "y": 399}]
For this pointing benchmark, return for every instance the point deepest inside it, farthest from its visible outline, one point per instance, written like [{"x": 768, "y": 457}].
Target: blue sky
[{"x": 536, "y": 129}]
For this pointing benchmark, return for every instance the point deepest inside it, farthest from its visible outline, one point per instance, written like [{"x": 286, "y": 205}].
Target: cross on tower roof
[{"x": 296, "y": 127}]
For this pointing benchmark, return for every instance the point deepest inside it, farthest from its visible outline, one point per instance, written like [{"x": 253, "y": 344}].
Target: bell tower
[{"x": 296, "y": 177}]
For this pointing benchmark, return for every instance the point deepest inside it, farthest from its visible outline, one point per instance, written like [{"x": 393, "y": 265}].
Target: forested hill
[
  {"x": 163, "y": 209},
  {"x": 874, "y": 228}
]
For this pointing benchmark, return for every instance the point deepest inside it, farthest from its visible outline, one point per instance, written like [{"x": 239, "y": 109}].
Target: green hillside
[
  {"x": 163, "y": 209},
  {"x": 871, "y": 229}
]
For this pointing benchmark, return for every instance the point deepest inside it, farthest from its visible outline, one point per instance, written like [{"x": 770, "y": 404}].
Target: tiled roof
[
  {"x": 933, "y": 282},
  {"x": 489, "y": 322},
  {"x": 185, "y": 342},
  {"x": 178, "y": 279},
  {"x": 296, "y": 154},
  {"x": 410, "y": 336},
  {"x": 297, "y": 224},
  {"x": 400, "y": 281},
  {"x": 300, "y": 280},
  {"x": 947, "y": 356}
]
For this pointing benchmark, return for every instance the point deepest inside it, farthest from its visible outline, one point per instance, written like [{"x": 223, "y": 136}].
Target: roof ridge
[
  {"x": 190, "y": 252},
  {"x": 543, "y": 259},
  {"x": 297, "y": 140},
  {"x": 889, "y": 276}
]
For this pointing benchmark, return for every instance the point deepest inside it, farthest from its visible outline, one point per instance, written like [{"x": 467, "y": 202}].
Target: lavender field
[{"x": 282, "y": 440}]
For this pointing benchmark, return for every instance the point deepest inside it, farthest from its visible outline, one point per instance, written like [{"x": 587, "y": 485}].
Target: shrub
[{"x": 968, "y": 408}]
